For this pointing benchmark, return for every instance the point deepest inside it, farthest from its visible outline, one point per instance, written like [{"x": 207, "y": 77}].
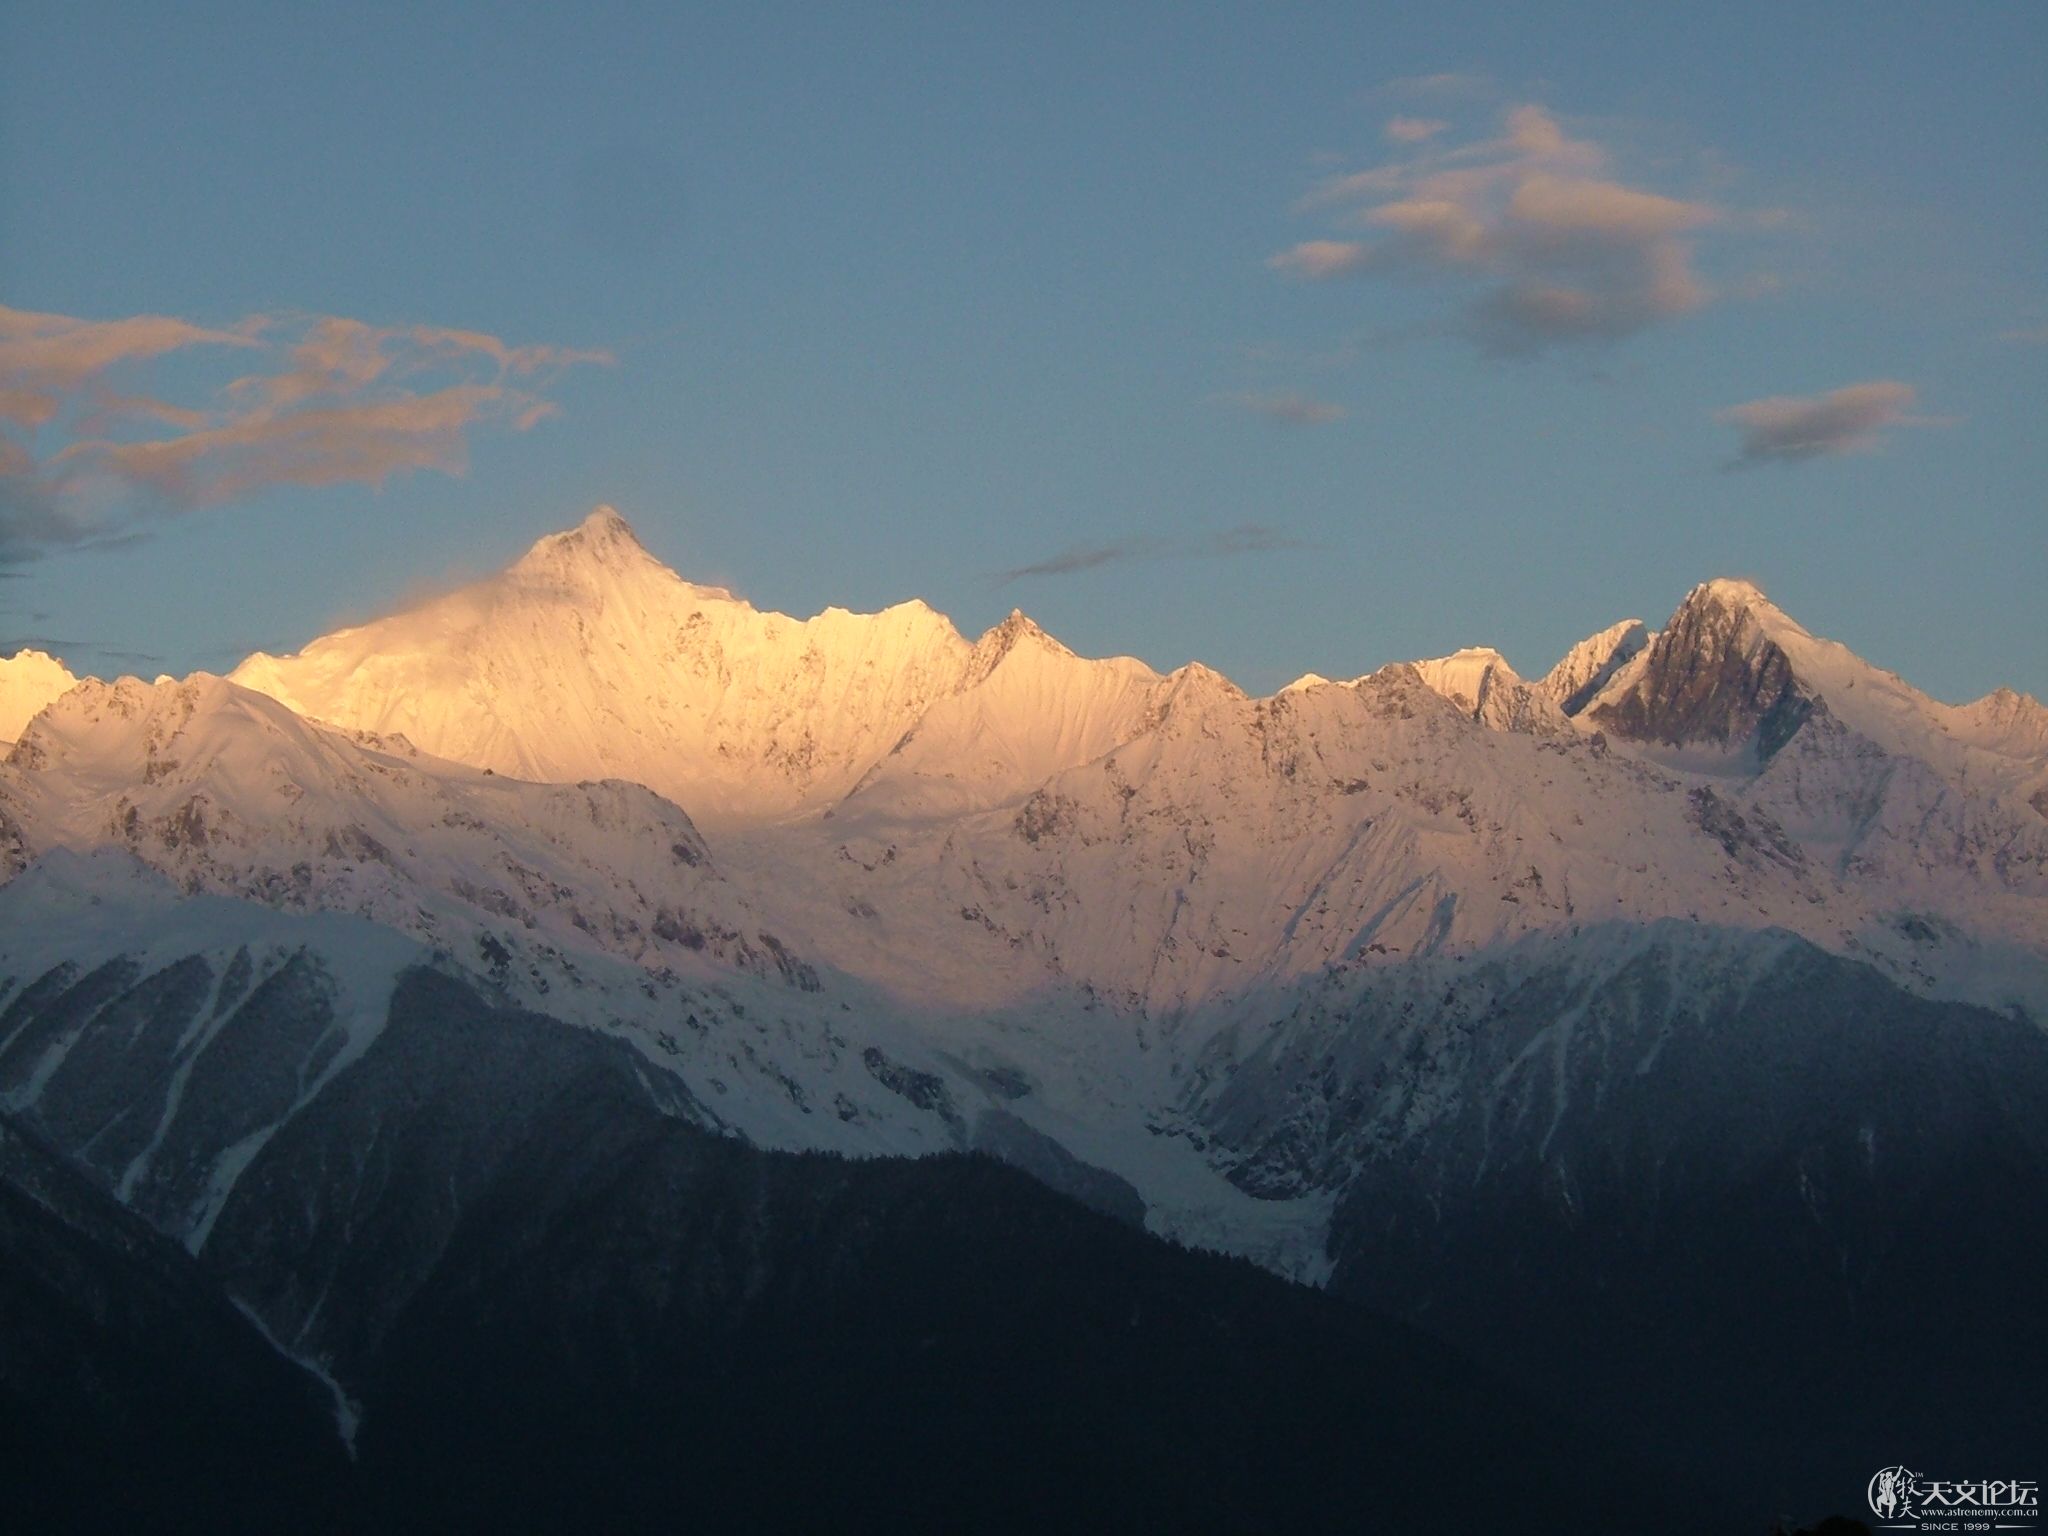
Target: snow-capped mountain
[
  {"x": 28, "y": 681},
  {"x": 983, "y": 825},
  {"x": 1253, "y": 972},
  {"x": 590, "y": 659},
  {"x": 1733, "y": 673},
  {"x": 1233, "y": 843},
  {"x": 976, "y": 823}
]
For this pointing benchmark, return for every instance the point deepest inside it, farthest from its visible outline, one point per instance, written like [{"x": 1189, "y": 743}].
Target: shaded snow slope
[{"x": 166, "y": 1038}]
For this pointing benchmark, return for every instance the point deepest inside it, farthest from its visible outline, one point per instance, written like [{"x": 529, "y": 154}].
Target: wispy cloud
[
  {"x": 1245, "y": 539},
  {"x": 1446, "y": 85},
  {"x": 1789, "y": 429},
  {"x": 85, "y": 456},
  {"x": 1413, "y": 130},
  {"x": 45, "y": 357},
  {"x": 1288, "y": 408},
  {"x": 1544, "y": 240}
]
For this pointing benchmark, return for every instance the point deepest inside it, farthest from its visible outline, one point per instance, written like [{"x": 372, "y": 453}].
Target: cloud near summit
[
  {"x": 1535, "y": 229},
  {"x": 88, "y": 450}
]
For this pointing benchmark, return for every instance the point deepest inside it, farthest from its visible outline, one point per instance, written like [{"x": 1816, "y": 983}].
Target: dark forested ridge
[
  {"x": 555, "y": 1297},
  {"x": 1781, "y": 1220},
  {"x": 622, "y": 1321},
  {"x": 133, "y": 1394}
]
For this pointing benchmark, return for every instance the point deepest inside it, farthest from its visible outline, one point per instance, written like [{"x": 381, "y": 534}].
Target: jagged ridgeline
[{"x": 608, "y": 1048}]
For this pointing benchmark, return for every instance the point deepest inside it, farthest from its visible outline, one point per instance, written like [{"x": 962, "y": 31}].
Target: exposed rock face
[{"x": 1712, "y": 677}]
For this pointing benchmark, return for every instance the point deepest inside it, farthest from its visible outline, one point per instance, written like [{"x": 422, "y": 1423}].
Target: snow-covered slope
[
  {"x": 1026, "y": 708},
  {"x": 1584, "y": 669},
  {"x": 28, "y": 681},
  {"x": 2003, "y": 721},
  {"x": 228, "y": 791},
  {"x": 1480, "y": 682},
  {"x": 1239, "y": 843}
]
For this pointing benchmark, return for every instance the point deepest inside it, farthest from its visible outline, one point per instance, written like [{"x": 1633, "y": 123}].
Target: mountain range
[{"x": 1660, "y": 1040}]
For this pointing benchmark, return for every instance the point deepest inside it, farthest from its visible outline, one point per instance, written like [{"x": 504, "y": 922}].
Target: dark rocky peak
[{"x": 1714, "y": 677}]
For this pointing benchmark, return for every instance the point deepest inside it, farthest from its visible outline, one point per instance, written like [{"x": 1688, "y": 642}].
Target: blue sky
[{"x": 844, "y": 305}]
